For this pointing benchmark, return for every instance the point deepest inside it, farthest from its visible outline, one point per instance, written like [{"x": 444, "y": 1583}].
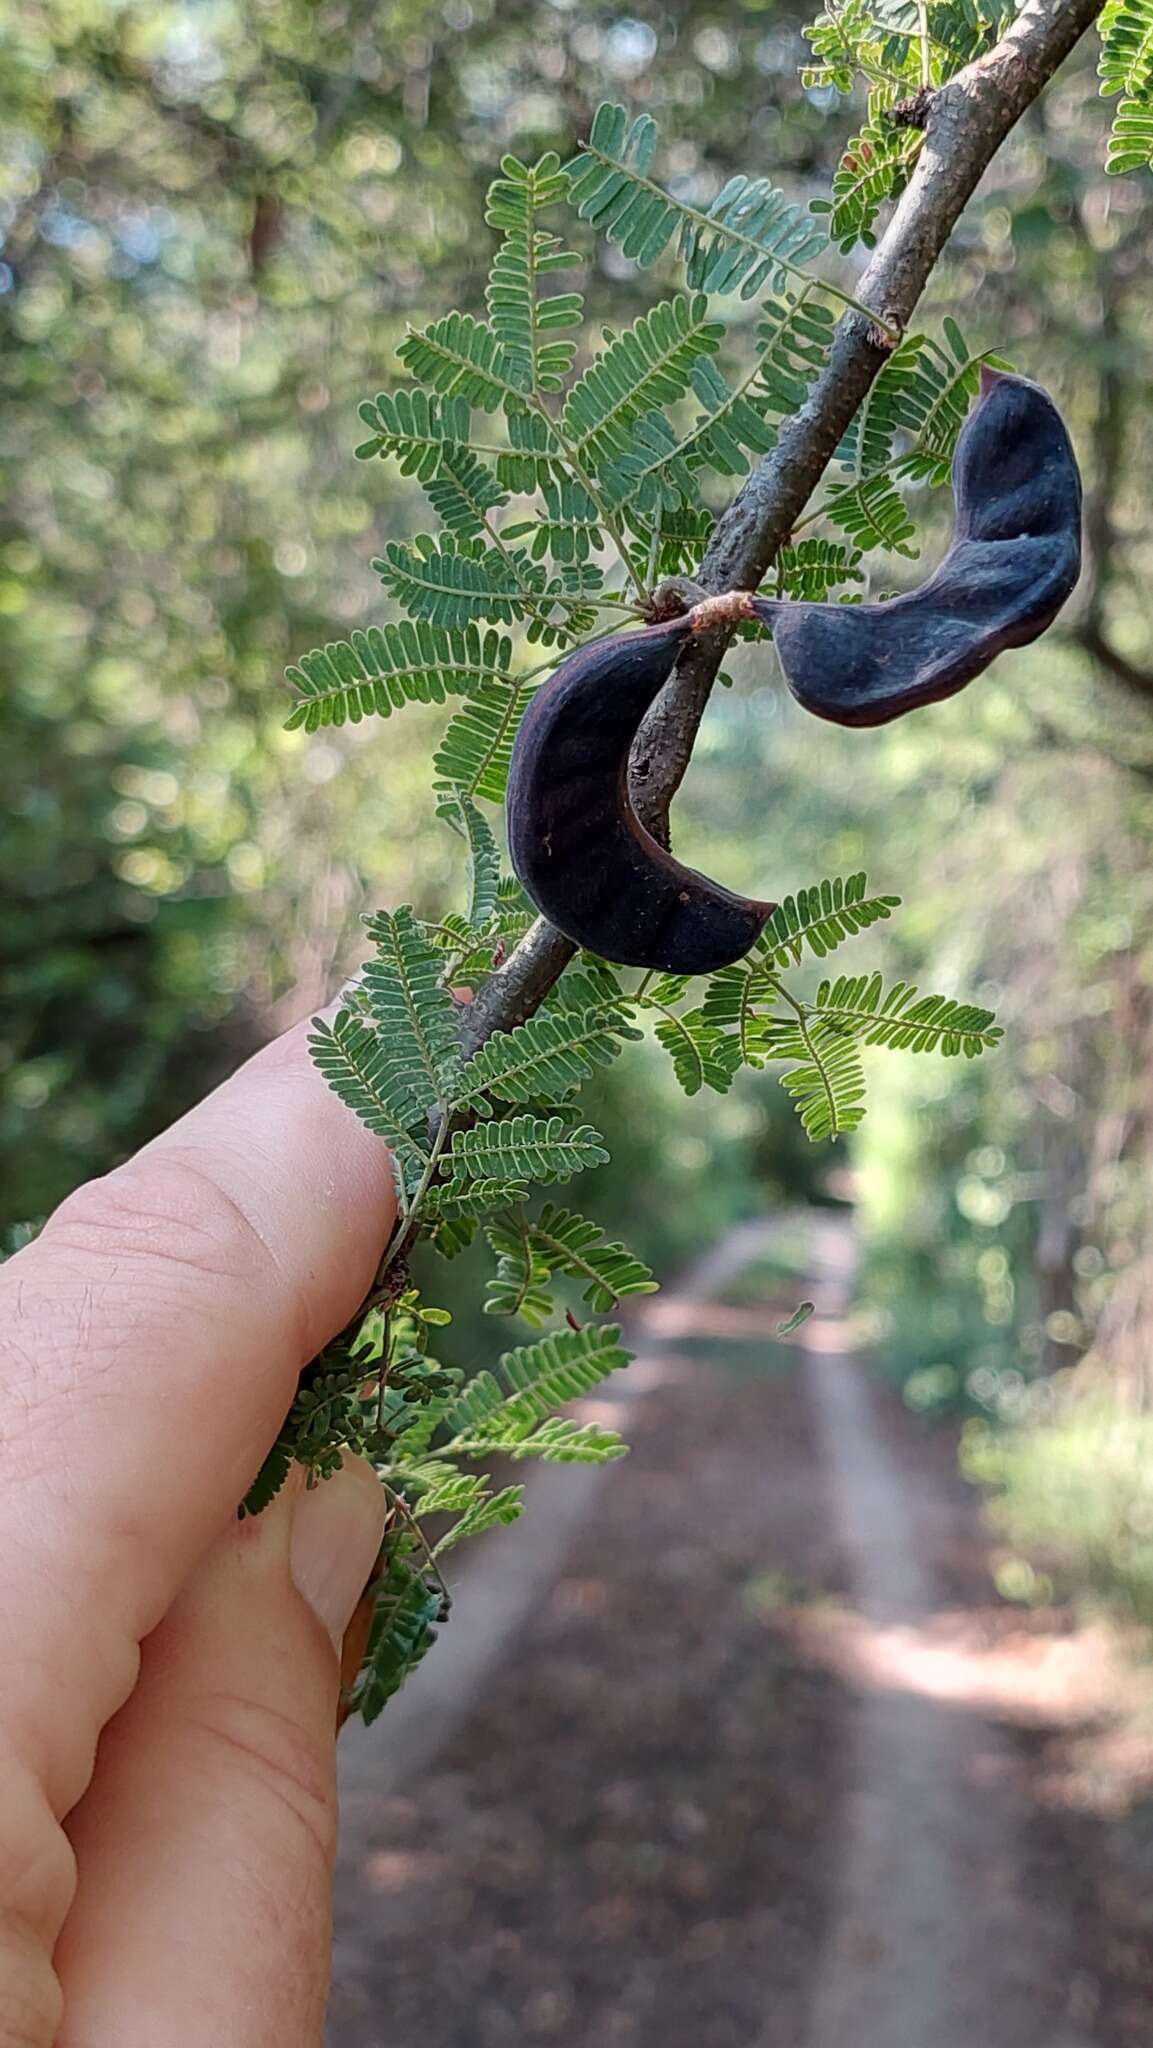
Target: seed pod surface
[
  {"x": 575, "y": 841},
  {"x": 1014, "y": 558}
]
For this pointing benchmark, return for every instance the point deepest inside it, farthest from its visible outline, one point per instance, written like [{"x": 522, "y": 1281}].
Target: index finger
[{"x": 150, "y": 1341}]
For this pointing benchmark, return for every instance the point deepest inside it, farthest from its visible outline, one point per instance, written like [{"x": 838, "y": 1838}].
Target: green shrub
[{"x": 1073, "y": 1493}]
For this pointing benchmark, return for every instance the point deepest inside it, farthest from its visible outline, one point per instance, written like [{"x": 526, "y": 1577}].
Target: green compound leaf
[
  {"x": 464, "y": 492},
  {"x": 269, "y": 1480},
  {"x": 827, "y": 1085},
  {"x": 406, "y": 1608},
  {"x": 452, "y": 583},
  {"x": 590, "y": 984},
  {"x": 548, "y": 1057},
  {"x": 458, "y": 808},
  {"x": 519, "y": 1287},
  {"x": 679, "y": 537},
  {"x": 460, "y": 357},
  {"x": 874, "y": 514},
  {"x": 905, "y": 431},
  {"x": 414, "y": 429},
  {"x": 524, "y": 1148},
  {"x": 561, "y": 1442},
  {"x": 897, "y": 402},
  {"x": 646, "y": 367},
  {"x": 750, "y": 235},
  {"x": 908, "y": 422},
  {"x": 502, "y": 1408},
  {"x": 438, "y": 1488},
  {"x": 898, "y": 44},
  {"x": 1131, "y": 142},
  {"x": 840, "y": 38},
  {"x": 898, "y": 1016},
  {"x": 523, "y": 322},
  {"x": 466, "y": 1200},
  {"x": 377, "y": 672},
  {"x": 702, "y": 1056},
  {"x": 477, "y": 745},
  {"x": 363, "y": 1068},
  {"x": 491, "y": 1512},
  {"x": 821, "y": 917},
  {"x": 794, "y": 337},
  {"x": 658, "y": 471},
  {"x": 736, "y": 1000},
  {"x": 578, "y": 1247},
  {"x": 1125, "y": 64},
  {"x": 533, "y": 456},
  {"x": 570, "y": 530},
  {"x": 560, "y": 1241},
  {"x": 659, "y": 468},
  {"x": 414, "y": 1014},
  {"x": 874, "y": 168},
  {"x": 812, "y": 570}
]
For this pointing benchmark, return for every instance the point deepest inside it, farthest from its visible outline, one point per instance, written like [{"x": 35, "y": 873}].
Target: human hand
[{"x": 171, "y": 1888}]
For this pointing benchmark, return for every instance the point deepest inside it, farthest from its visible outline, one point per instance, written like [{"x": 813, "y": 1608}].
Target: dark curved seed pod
[
  {"x": 1014, "y": 558},
  {"x": 575, "y": 841}
]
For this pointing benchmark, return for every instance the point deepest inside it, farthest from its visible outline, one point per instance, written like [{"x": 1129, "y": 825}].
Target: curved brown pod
[
  {"x": 575, "y": 841},
  {"x": 1014, "y": 558}
]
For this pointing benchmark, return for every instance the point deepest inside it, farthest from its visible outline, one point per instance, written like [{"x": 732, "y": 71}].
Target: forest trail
[
  {"x": 935, "y": 1936},
  {"x": 720, "y": 1746}
]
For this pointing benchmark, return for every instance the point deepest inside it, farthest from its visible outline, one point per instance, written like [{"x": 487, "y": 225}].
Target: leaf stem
[
  {"x": 397, "y": 1501},
  {"x": 923, "y": 40},
  {"x": 610, "y": 523},
  {"x": 405, "y": 1237},
  {"x": 382, "y": 1380},
  {"x": 802, "y": 1012},
  {"x": 527, "y": 675}
]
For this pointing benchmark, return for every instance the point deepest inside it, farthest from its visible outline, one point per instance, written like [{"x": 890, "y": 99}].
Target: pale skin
[{"x": 169, "y": 1675}]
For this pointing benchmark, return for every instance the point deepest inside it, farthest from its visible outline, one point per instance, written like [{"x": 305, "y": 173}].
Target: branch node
[
  {"x": 888, "y": 337},
  {"x": 672, "y": 598},
  {"x": 725, "y": 610},
  {"x": 913, "y": 112}
]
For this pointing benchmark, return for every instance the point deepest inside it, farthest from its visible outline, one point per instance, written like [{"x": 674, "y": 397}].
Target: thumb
[{"x": 205, "y": 1842}]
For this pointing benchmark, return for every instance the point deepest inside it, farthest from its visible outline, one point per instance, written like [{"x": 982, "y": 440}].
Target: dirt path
[
  {"x": 937, "y": 1935},
  {"x": 723, "y": 1748}
]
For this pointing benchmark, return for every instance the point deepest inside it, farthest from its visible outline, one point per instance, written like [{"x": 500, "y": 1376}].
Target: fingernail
[{"x": 336, "y": 1533}]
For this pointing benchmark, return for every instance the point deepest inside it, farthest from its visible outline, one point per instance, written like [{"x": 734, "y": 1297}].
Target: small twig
[
  {"x": 1093, "y": 639},
  {"x": 382, "y": 1378},
  {"x": 912, "y": 112},
  {"x": 923, "y": 41}
]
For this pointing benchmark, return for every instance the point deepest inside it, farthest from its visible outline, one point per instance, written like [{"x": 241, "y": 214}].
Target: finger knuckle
[
  {"x": 270, "y": 1750},
  {"x": 163, "y": 1208},
  {"x": 37, "y": 1882}
]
